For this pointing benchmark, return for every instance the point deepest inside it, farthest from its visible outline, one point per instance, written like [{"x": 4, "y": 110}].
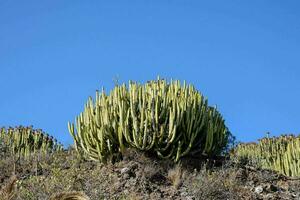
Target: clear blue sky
[{"x": 243, "y": 55}]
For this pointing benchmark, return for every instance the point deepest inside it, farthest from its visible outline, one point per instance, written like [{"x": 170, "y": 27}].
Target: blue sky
[{"x": 243, "y": 55}]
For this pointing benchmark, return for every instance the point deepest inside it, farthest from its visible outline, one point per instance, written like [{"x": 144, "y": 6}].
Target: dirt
[{"x": 140, "y": 176}]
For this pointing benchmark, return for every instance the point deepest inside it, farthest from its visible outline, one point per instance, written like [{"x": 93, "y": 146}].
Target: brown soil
[{"x": 140, "y": 176}]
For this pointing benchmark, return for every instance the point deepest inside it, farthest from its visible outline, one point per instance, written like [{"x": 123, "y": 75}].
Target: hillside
[{"x": 140, "y": 176}]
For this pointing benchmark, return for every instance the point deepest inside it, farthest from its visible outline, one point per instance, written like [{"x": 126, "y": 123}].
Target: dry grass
[
  {"x": 217, "y": 183},
  {"x": 146, "y": 178},
  {"x": 175, "y": 176},
  {"x": 8, "y": 191},
  {"x": 69, "y": 196}
]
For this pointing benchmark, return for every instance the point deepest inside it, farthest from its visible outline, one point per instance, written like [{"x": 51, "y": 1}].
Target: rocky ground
[{"x": 140, "y": 176}]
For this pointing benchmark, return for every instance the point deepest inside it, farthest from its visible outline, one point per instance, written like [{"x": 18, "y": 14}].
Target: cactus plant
[
  {"x": 25, "y": 141},
  {"x": 169, "y": 119},
  {"x": 281, "y": 154}
]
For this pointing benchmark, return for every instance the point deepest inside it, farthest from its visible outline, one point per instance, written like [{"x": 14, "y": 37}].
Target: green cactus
[
  {"x": 281, "y": 154},
  {"x": 169, "y": 119},
  {"x": 26, "y": 141}
]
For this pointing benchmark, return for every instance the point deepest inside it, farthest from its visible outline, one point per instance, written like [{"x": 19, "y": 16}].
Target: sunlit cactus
[
  {"x": 281, "y": 154},
  {"x": 169, "y": 119},
  {"x": 25, "y": 141}
]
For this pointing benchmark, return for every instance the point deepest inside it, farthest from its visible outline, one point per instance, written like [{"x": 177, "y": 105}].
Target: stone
[
  {"x": 259, "y": 189},
  {"x": 126, "y": 192},
  {"x": 190, "y": 198},
  {"x": 269, "y": 196},
  {"x": 183, "y": 194},
  {"x": 125, "y": 170}
]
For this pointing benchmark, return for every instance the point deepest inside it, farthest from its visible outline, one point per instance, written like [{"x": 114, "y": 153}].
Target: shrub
[
  {"x": 281, "y": 154},
  {"x": 25, "y": 141},
  {"x": 168, "y": 119}
]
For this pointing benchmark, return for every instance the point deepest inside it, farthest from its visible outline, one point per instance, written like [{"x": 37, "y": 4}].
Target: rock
[
  {"x": 125, "y": 170},
  {"x": 251, "y": 183},
  {"x": 126, "y": 192},
  {"x": 190, "y": 198},
  {"x": 183, "y": 194},
  {"x": 269, "y": 196},
  {"x": 259, "y": 189},
  {"x": 295, "y": 195}
]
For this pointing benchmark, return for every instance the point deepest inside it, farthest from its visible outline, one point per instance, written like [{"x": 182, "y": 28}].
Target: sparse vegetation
[
  {"x": 69, "y": 196},
  {"x": 141, "y": 131},
  {"x": 175, "y": 176},
  {"x": 142, "y": 176},
  {"x": 7, "y": 192}
]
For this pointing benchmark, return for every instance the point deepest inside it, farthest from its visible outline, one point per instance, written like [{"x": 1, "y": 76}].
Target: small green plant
[
  {"x": 168, "y": 119},
  {"x": 281, "y": 154}
]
